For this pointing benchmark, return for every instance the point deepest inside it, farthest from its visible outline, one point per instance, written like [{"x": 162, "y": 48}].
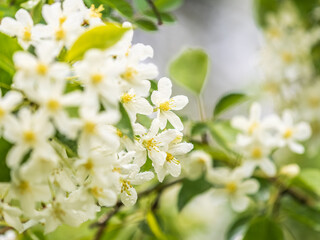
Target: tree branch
[{"x": 156, "y": 12}]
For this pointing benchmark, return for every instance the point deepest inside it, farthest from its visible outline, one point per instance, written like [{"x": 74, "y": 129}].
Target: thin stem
[
  {"x": 156, "y": 12},
  {"x": 201, "y": 108}
]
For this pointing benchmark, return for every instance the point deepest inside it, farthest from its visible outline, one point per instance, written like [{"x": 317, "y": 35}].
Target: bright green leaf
[
  {"x": 167, "y": 5},
  {"x": 122, "y": 6},
  {"x": 228, "y": 101},
  {"x": 309, "y": 179},
  {"x": 125, "y": 125},
  {"x": 101, "y": 37},
  {"x": 146, "y": 24},
  {"x": 238, "y": 226},
  {"x": 154, "y": 225},
  {"x": 190, "y": 69},
  {"x": 141, "y": 5},
  {"x": 165, "y": 17},
  {"x": 8, "y": 46},
  {"x": 263, "y": 228},
  {"x": 190, "y": 189}
]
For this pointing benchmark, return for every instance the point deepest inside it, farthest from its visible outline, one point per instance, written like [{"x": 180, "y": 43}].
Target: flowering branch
[
  {"x": 104, "y": 220},
  {"x": 156, "y": 11}
]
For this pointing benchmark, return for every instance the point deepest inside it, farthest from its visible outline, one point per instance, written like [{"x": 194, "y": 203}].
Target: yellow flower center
[
  {"x": 274, "y": 33},
  {"x": 62, "y": 20},
  {"x": 60, "y": 34},
  {"x": 287, "y": 57},
  {"x": 2, "y": 112},
  {"x": 96, "y": 78},
  {"x": 288, "y": 133},
  {"x": 314, "y": 101},
  {"x": 256, "y": 153},
  {"x": 253, "y": 127},
  {"x": 89, "y": 164},
  {"x": 125, "y": 98},
  {"x": 149, "y": 144},
  {"x": 231, "y": 187},
  {"x": 42, "y": 69},
  {"x": 165, "y": 106},
  {"x": 53, "y": 105},
  {"x": 26, "y": 34},
  {"x": 170, "y": 158},
  {"x": 129, "y": 74},
  {"x": 119, "y": 133},
  {"x": 96, "y": 12},
  {"x": 29, "y": 136},
  {"x": 90, "y": 127},
  {"x": 97, "y": 191},
  {"x": 24, "y": 186},
  {"x": 125, "y": 186}
]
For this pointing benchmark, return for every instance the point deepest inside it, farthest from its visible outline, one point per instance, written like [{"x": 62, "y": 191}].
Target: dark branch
[{"x": 156, "y": 11}]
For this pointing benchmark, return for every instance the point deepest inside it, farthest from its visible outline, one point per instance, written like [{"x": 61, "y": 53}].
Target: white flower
[
  {"x": 291, "y": 133},
  {"x": 129, "y": 176},
  {"x": 135, "y": 104},
  {"x": 27, "y": 131},
  {"x": 257, "y": 155},
  {"x": 164, "y": 104},
  {"x": 136, "y": 74},
  {"x": 63, "y": 22},
  {"x": 231, "y": 184},
  {"x": 7, "y": 105},
  {"x": 196, "y": 163},
  {"x": 53, "y": 101},
  {"x": 100, "y": 77},
  {"x": 175, "y": 149},
  {"x": 33, "y": 70},
  {"x": 290, "y": 170},
  {"x": 22, "y": 28},
  {"x": 11, "y": 215}
]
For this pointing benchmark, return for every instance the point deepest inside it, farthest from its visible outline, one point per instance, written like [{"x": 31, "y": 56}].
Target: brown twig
[
  {"x": 104, "y": 220},
  {"x": 156, "y": 12}
]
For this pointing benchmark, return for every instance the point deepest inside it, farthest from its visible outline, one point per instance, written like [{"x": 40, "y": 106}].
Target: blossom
[
  {"x": 196, "y": 163},
  {"x": 232, "y": 185},
  {"x": 8, "y": 104},
  {"x": 21, "y": 27},
  {"x": 164, "y": 104},
  {"x": 290, "y": 134}
]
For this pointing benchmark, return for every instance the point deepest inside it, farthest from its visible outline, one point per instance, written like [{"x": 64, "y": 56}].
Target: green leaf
[
  {"x": 166, "y": 17},
  {"x": 70, "y": 145},
  {"x": 141, "y": 5},
  {"x": 238, "y": 226},
  {"x": 302, "y": 213},
  {"x": 167, "y": 5},
  {"x": 124, "y": 124},
  {"x": 4, "y": 170},
  {"x": 101, "y": 37},
  {"x": 309, "y": 179},
  {"x": 228, "y": 101},
  {"x": 122, "y": 6},
  {"x": 8, "y": 46},
  {"x": 146, "y": 24},
  {"x": 263, "y": 8},
  {"x": 305, "y": 9},
  {"x": 263, "y": 228},
  {"x": 154, "y": 225},
  {"x": 190, "y": 189},
  {"x": 190, "y": 69},
  {"x": 220, "y": 132}
]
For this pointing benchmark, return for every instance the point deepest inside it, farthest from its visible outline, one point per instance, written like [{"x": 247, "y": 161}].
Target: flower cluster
[{"x": 68, "y": 157}]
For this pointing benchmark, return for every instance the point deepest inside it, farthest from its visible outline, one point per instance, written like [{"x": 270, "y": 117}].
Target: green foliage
[
  {"x": 302, "y": 213},
  {"x": 190, "y": 189},
  {"x": 154, "y": 226},
  {"x": 146, "y": 24},
  {"x": 122, "y": 6},
  {"x": 190, "y": 69},
  {"x": 4, "y": 170},
  {"x": 263, "y": 228},
  {"x": 305, "y": 8},
  {"x": 238, "y": 226},
  {"x": 101, "y": 37},
  {"x": 228, "y": 101},
  {"x": 309, "y": 179},
  {"x": 263, "y": 8},
  {"x": 70, "y": 145},
  {"x": 8, "y": 46},
  {"x": 124, "y": 124},
  {"x": 168, "y": 5}
]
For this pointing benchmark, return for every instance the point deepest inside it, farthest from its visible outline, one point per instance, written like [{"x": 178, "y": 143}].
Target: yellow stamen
[
  {"x": 42, "y": 69},
  {"x": 53, "y": 105},
  {"x": 89, "y": 164},
  {"x": 96, "y": 12},
  {"x": 2, "y": 112},
  {"x": 62, "y": 20},
  {"x": 129, "y": 74},
  {"x": 288, "y": 133},
  {"x": 24, "y": 186},
  {"x": 90, "y": 127},
  {"x": 165, "y": 106},
  {"x": 96, "y": 78},
  {"x": 60, "y": 34},
  {"x": 149, "y": 144},
  {"x": 256, "y": 153},
  {"x": 231, "y": 187},
  {"x": 29, "y": 136},
  {"x": 171, "y": 158},
  {"x": 253, "y": 127},
  {"x": 125, "y": 98},
  {"x": 97, "y": 191},
  {"x": 287, "y": 57},
  {"x": 26, "y": 34}
]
